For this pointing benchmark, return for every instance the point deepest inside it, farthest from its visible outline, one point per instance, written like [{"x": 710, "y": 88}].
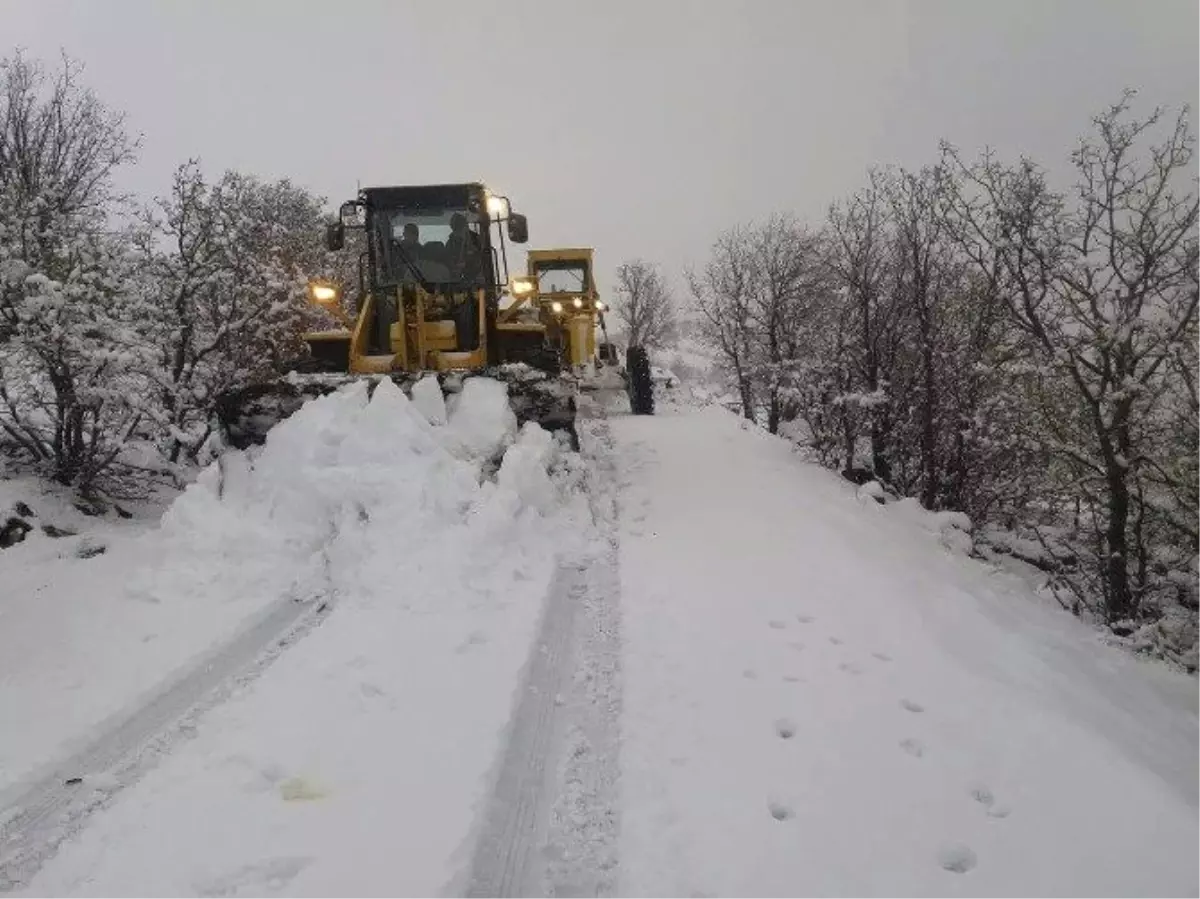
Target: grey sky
[{"x": 640, "y": 128}]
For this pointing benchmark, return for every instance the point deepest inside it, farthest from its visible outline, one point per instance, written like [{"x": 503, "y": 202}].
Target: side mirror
[
  {"x": 518, "y": 228},
  {"x": 335, "y": 236}
]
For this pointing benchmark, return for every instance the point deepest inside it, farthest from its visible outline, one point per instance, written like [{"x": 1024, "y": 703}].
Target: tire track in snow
[
  {"x": 581, "y": 850},
  {"x": 39, "y": 815},
  {"x": 550, "y": 825}
]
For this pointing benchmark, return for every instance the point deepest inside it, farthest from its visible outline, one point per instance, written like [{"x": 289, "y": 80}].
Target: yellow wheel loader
[{"x": 432, "y": 277}]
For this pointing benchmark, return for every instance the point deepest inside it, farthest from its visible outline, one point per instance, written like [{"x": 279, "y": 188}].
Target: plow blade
[{"x": 244, "y": 417}]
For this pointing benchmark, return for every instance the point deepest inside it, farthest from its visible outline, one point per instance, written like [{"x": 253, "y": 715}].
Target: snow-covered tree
[
  {"x": 724, "y": 297},
  {"x": 644, "y": 306},
  {"x": 69, "y": 363},
  {"x": 861, "y": 259},
  {"x": 225, "y": 268},
  {"x": 1103, "y": 284}
]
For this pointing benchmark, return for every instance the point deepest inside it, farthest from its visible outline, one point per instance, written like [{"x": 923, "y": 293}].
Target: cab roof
[{"x": 437, "y": 195}]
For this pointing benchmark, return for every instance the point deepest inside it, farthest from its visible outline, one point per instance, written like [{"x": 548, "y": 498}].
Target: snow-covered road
[
  {"x": 686, "y": 663},
  {"x": 821, "y": 700}
]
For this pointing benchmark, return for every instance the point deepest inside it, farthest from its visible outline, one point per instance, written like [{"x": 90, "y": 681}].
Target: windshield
[
  {"x": 444, "y": 244},
  {"x": 561, "y": 277}
]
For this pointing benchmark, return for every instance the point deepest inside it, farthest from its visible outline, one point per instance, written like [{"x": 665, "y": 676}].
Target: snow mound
[
  {"x": 272, "y": 517},
  {"x": 951, "y": 529},
  {"x": 481, "y": 422}
]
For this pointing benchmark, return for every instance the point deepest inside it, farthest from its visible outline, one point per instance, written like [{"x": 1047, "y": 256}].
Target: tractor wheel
[{"x": 641, "y": 388}]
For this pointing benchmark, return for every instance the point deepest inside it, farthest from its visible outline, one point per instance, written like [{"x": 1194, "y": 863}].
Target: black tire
[{"x": 641, "y": 388}]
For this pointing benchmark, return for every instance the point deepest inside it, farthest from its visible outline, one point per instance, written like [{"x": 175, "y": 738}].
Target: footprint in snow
[
  {"x": 909, "y": 706},
  {"x": 475, "y": 638},
  {"x": 780, "y": 811},
  {"x": 836, "y": 641},
  {"x": 793, "y": 679},
  {"x": 776, "y": 624},
  {"x": 785, "y": 728},
  {"x": 882, "y": 656},
  {"x": 913, "y": 747},
  {"x": 987, "y": 799},
  {"x": 805, "y": 619},
  {"x": 750, "y": 674},
  {"x": 957, "y": 857},
  {"x": 851, "y": 668}
]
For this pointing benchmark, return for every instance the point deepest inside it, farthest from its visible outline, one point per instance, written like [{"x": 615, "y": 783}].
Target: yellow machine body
[
  {"x": 421, "y": 338},
  {"x": 563, "y": 302}
]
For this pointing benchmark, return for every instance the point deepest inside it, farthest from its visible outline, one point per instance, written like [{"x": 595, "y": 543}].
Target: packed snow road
[
  {"x": 681, "y": 663},
  {"x": 820, "y": 699}
]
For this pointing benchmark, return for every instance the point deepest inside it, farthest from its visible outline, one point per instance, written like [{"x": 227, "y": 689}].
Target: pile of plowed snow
[
  {"x": 351, "y": 485},
  {"x": 357, "y": 499}
]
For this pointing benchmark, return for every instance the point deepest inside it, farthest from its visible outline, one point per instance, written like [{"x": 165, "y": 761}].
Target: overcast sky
[{"x": 639, "y": 128}]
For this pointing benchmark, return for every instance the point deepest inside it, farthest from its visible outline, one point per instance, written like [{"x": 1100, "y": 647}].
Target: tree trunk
[
  {"x": 747, "y": 392},
  {"x": 1116, "y": 569},
  {"x": 929, "y": 466}
]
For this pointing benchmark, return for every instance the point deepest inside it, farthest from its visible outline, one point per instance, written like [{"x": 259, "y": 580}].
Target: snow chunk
[
  {"x": 952, "y": 529},
  {"x": 872, "y": 490},
  {"x": 427, "y": 397},
  {"x": 481, "y": 423}
]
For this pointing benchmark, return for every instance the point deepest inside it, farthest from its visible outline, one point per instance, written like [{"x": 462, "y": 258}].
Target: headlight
[
  {"x": 497, "y": 207},
  {"x": 556, "y": 306},
  {"x": 323, "y": 293},
  {"x": 578, "y": 303},
  {"x": 600, "y": 307},
  {"x": 522, "y": 286}
]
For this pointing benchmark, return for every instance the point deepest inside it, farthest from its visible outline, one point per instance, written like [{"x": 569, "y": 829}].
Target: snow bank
[{"x": 362, "y": 753}]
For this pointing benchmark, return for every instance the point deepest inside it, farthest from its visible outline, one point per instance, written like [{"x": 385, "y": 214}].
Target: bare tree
[
  {"x": 860, "y": 257},
  {"x": 1106, "y": 288},
  {"x": 724, "y": 293},
  {"x": 644, "y": 306}
]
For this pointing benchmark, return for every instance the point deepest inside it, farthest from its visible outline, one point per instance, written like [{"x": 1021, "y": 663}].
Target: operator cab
[
  {"x": 436, "y": 237},
  {"x": 555, "y": 276}
]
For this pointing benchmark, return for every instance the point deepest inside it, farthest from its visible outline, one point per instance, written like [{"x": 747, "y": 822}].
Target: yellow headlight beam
[
  {"x": 522, "y": 286},
  {"x": 497, "y": 206}
]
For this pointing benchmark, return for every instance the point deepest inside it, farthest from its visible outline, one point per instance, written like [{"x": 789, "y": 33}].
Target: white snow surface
[
  {"x": 819, "y": 699},
  {"x": 354, "y": 765},
  {"x": 822, "y": 695},
  {"x": 75, "y": 645},
  {"x": 427, "y": 397}
]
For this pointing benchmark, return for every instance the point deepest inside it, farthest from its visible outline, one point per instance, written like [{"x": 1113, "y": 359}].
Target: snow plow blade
[{"x": 244, "y": 417}]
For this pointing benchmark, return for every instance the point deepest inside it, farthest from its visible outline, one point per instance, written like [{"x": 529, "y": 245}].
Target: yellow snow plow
[{"x": 432, "y": 275}]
